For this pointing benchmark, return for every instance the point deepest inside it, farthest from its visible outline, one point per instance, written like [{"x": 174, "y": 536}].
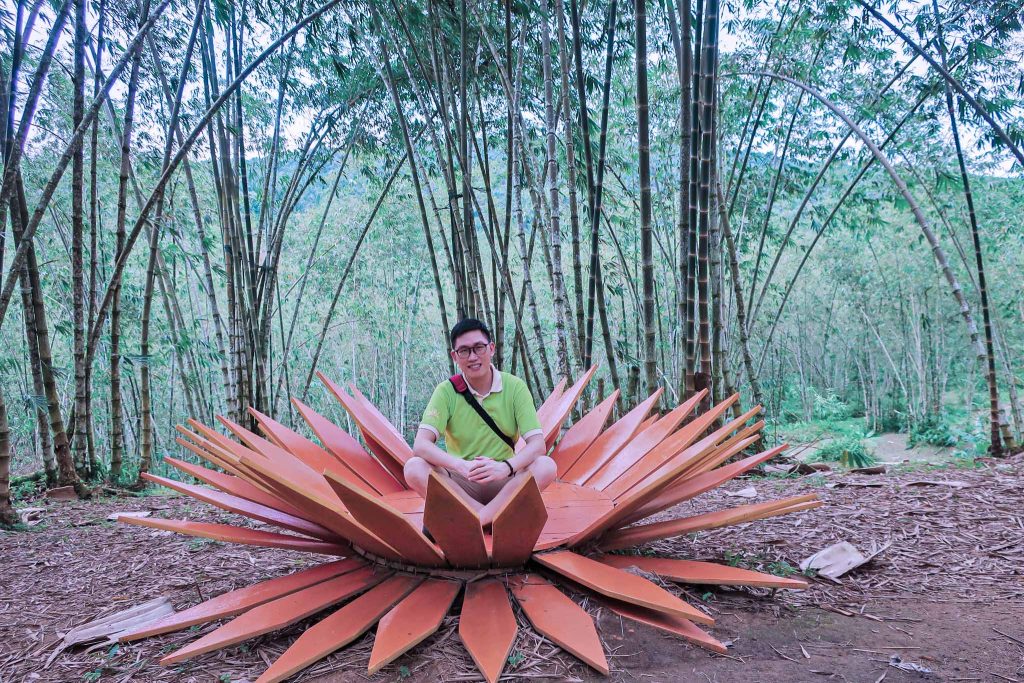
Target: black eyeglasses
[{"x": 464, "y": 351}]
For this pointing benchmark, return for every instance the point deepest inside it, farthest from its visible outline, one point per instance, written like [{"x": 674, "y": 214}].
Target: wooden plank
[
  {"x": 388, "y": 523},
  {"x": 487, "y": 626},
  {"x": 279, "y": 613},
  {"x": 676, "y": 448},
  {"x": 619, "y": 585},
  {"x": 235, "y": 534},
  {"x": 233, "y": 485},
  {"x": 518, "y": 524},
  {"x": 345, "y": 448},
  {"x": 637, "y": 535},
  {"x": 611, "y": 441},
  {"x": 581, "y": 434},
  {"x": 453, "y": 524},
  {"x": 240, "y": 506},
  {"x": 642, "y": 444},
  {"x": 556, "y": 393},
  {"x": 570, "y": 509},
  {"x": 551, "y": 421},
  {"x": 411, "y": 621},
  {"x": 316, "y": 458},
  {"x": 701, "y": 573},
  {"x": 694, "y": 486},
  {"x": 373, "y": 424},
  {"x": 237, "y": 601},
  {"x": 560, "y": 619},
  {"x": 340, "y": 628},
  {"x": 666, "y": 622}
]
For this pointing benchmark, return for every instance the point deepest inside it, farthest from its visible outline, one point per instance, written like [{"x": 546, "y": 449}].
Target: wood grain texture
[
  {"x": 340, "y": 628},
  {"x": 581, "y": 434},
  {"x": 276, "y": 614},
  {"x": 453, "y": 524},
  {"x": 411, "y": 621},
  {"x": 611, "y": 441},
  {"x": 237, "y": 601},
  {"x": 619, "y": 585},
  {"x": 557, "y": 617},
  {"x": 487, "y": 626},
  {"x": 518, "y": 524}
]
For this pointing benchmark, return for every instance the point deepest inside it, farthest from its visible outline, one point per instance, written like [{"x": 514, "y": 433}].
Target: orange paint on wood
[
  {"x": 689, "y": 571},
  {"x": 570, "y": 509},
  {"x": 487, "y": 626},
  {"x": 611, "y": 441},
  {"x": 385, "y": 521},
  {"x": 637, "y": 535},
  {"x": 518, "y": 524},
  {"x": 581, "y": 434},
  {"x": 453, "y": 524},
  {"x": 235, "y": 534},
  {"x": 237, "y": 601},
  {"x": 553, "y": 419},
  {"x": 411, "y": 621},
  {"x": 620, "y": 585},
  {"x": 666, "y": 622},
  {"x": 231, "y": 484},
  {"x": 560, "y": 619},
  {"x": 279, "y": 613},
  {"x": 240, "y": 506},
  {"x": 346, "y": 449},
  {"x": 340, "y": 628},
  {"x": 642, "y": 444}
]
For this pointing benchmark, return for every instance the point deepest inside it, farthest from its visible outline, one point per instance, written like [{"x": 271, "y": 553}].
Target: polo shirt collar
[{"x": 495, "y": 383}]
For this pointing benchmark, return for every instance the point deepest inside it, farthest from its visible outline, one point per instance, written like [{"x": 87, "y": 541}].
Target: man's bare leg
[
  {"x": 543, "y": 470},
  {"x": 417, "y": 474}
]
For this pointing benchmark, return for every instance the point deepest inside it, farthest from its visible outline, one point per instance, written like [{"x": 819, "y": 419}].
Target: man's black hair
[{"x": 468, "y": 325}]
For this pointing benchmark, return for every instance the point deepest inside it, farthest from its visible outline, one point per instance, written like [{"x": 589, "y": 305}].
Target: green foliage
[
  {"x": 516, "y": 657},
  {"x": 848, "y": 450}
]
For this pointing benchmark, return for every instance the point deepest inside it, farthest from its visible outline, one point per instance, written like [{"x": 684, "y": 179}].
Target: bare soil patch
[{"x": 948, "y": 594}]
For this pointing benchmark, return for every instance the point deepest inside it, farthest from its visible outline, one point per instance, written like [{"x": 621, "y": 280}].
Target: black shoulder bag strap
[{"x": 462, "y": 387}]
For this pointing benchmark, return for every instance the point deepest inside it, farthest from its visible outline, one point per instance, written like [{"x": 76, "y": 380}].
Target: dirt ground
[{"x": 947, "y": 595}]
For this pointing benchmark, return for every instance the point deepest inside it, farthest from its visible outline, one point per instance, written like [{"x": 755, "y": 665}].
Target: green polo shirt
[{"x": 466, "y": 435}]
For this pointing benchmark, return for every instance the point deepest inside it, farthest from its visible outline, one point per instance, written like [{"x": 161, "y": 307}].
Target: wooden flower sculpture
[{"x": 338, "y": 499}]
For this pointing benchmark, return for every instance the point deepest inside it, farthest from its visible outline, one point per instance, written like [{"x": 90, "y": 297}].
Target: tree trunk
[
  {"x": 646, "y": 233},
  {"x": 8, "y": 517}
]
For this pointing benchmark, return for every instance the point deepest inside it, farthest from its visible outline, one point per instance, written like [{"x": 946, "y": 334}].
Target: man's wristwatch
[{"x": 511, "y": 470}]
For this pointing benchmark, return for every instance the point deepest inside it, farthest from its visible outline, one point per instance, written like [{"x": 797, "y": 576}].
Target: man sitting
[{"x": 479, "y": 460}]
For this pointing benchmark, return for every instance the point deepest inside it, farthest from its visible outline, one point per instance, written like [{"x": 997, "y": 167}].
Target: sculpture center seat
[{"x": 570, "y": 508}]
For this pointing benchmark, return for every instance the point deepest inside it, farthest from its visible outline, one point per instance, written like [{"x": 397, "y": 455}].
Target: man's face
[{"x": 472, "y": 353}]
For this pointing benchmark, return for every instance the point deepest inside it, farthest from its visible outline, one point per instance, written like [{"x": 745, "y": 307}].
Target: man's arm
[
  {"x": 486, "y": 470},
  {"x": 426, "y": 447}
]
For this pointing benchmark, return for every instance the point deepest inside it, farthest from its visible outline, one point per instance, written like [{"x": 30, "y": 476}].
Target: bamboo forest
[{"x": 262, "y": 217}]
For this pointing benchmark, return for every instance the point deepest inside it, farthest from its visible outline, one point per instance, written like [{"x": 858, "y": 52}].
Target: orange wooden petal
[
  {"x": 518, "y": 524},
  {"x": 642, "y": 444},
  {"x": 340, "y": 628},
  {"x": 549, "y": 402},
  {"x": 689, "y": 571},
  {"x": 236, "y": 486},
  {"x": 308, "y": 452},
  {"x": 581, "y": 434},
  {"x": 240, "y": 506},
  {"x": 570, "y": 509},
  {"x": 636, "y": 535},
  {"x": 487, "y": 626},
  {"x": 387, "y": 523},
  {"x": 372, "y": 424},
  {"x": 237, "y": 601},
  {"x": 552, "y": 420},
  {"x": 611, "y": 441},
  {"x": 411, "y": 621},
  {"x": 279, "y": 613},
  {"x": 235, "y": 534},
  {"x": 666, "y": 622},
  {"x": 679, "y": 447},
  {"x": 560, "y": 619},
  {"x": 205, "y": 450},
  {"x": 694, "y": 486},
  {"x": 453, "y": 524},
  {"x": 619, "y": 585},
  {"x": 347, "y": 449}
]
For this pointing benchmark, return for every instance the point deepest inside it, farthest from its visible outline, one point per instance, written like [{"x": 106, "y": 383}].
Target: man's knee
[
  {"x": 543, "y": 470},
  {"x": 416, "y": 470}
]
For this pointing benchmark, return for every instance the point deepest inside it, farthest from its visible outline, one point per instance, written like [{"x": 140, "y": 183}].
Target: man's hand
[{"x": 485, "y": 470}]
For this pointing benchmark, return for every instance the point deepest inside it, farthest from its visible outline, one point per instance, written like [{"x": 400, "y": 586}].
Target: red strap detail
[{"x": 459, "y": 382}]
